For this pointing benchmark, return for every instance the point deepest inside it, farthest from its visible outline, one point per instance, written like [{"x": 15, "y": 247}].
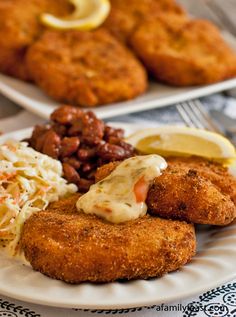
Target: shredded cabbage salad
[{"x": 29, "y": 181}]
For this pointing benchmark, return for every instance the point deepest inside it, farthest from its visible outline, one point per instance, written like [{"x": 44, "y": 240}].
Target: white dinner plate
[
  {"x": 213, "y": 264},
  {"x": 34, "y": 100}
]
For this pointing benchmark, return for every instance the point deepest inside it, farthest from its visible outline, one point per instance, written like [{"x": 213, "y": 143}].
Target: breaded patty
[
  {"x": 182, "y": 52},
  {"x": 185, "y": 195},
  {"x": 214, "y": 172},
  {"x": 105, "y": 170},
  {"x": 125, "y": 15},
  {"x": 75, "y": 247},
  {"x": 190, "y": 189},
  {"x": 19, "y": 27},
  {"x": 85, "y": 68}
]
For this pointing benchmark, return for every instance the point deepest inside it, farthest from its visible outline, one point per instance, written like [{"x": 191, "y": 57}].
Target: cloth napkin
[{"x": 220, "y": 301}]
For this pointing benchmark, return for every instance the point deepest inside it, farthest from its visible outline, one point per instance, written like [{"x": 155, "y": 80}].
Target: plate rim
[
  {"x": 119, "y": 305},
  {"x": 116, "y": 109}
]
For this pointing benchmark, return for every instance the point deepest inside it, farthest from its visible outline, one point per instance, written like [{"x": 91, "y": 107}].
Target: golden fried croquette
[
  {"x": 191, "y": 189},
  {"x": 182, "y": 52},
  {"x": 105, "y": 170},
  {"x": 190, "y": 197},
  {"x": 125, "y": 15},
  {"x": 85, "y": 68},
  {"x": 75, "y": 247},
  {"x": 214, "y": 172},
  {"x": 19, "y": 27}
]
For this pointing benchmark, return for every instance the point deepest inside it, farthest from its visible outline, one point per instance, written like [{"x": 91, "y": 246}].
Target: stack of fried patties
[{"x": 90, "y": 68}]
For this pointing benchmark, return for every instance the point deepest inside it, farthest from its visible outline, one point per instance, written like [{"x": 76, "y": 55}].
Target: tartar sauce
[{"x": 121, "y": 195}]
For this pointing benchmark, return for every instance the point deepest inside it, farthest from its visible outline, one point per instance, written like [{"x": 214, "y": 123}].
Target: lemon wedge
[
  {"x": 183, "y": 141},
  {"x": 88, "y": 15},
  {"x": 232, "y": 168}
]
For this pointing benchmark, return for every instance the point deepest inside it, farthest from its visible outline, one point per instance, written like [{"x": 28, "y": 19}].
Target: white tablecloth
[{"x": 220, "y": 301}]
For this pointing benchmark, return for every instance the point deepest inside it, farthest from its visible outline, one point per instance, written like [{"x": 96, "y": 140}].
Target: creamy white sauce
[{"x": 113, "y": 198}]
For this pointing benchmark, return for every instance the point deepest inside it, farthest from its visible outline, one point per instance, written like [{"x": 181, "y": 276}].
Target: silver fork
[{"x": 194, "y": 115}]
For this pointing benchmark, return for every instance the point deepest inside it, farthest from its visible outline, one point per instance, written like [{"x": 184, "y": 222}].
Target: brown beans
[
  {"x": 111, "y": 132},
  {"x": 70, "y": 174},
  {"x": 66, "y": 114},
  {"x": 76, "y": 128},
  {"x": 88, "y": 167},
  {"x": 126, "y": 146},
  {"x": 82, "y": 142},
  {"x": 39, "y": 142},
  {"x": 69, "y": 146},
  {"x": 86, "y": 154},
  {"x": 73, "y": 161},
  {"x": 51, "y": 143},
  {"x": 111, "y": 152},
  {"x": 84, "y": 184},
  {"x": 93, "y": 129},
  {"x": 38, "y": 132},
  {"x": 60, "y": 129}
]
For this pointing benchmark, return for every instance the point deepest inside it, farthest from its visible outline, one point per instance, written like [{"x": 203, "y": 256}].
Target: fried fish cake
[
  {"x": 75, "y": 247},
  {"x": 182, "y": 52},
  {"x": 191, "y": 189},
  {"x": 190, "y": 197},
  {"x": 216, "y": 173},
  {"x": 85, "y": 68},
  {"x": 125, "y": 15},
  {"x": 19, "y": 27},
  {"x": 105, "y": 170}
]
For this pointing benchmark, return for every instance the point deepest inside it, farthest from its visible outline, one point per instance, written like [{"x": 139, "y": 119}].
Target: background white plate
[
  {"x": 214, "y": 264},
  {"x": 33, "y": 99}
]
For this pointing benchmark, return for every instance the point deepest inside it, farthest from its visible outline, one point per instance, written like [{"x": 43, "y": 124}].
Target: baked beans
[{"x": 81, "y": 142}]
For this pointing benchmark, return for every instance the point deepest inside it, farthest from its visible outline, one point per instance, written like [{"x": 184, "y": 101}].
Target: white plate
[
  {"x": 34, "y": 100},
  {"x": 214, "y": 264}
]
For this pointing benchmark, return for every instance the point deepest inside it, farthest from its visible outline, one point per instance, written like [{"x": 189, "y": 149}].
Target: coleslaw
[{"x": 29, "y": 181}]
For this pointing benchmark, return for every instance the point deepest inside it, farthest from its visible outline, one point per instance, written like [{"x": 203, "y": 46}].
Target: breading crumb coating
[
  {"x": 182, "y": 52},
  {"x": 85, "y": 68},
  {"x": 191, "y": 189},
  {"x": 126, "y": 16},
  {"x": 74, "y": 247},
  {"x": 19, "y": 28}
]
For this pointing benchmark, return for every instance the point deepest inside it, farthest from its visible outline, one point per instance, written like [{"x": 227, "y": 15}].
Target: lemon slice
[
  {"x": 183, "y": 141},
  {"x": 232, "y": 168},
  {"x": 88, "y": 15}
]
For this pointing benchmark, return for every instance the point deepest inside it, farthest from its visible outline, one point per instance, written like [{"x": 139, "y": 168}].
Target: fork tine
[
  {"x": 194, "y": 115},
  {"x": 184, "y": 115},
  {"x": 204, "y": 114},
  {"x": 188, "y": 115},
  {"x": 197, "y": 114}
]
